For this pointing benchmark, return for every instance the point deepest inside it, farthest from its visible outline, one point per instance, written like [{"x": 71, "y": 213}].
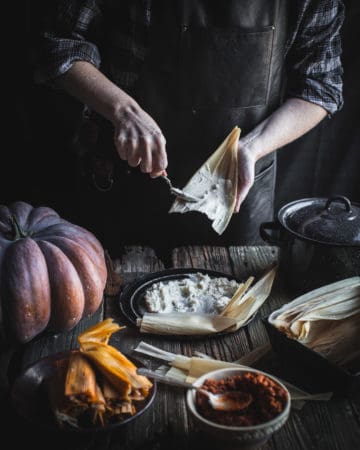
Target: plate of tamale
[{"x": 66, "y": 392}]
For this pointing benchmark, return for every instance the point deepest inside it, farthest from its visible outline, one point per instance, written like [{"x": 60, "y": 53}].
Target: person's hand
[
  {"x": 246, "y": 173},
  {"x": 139, "y": 140}
]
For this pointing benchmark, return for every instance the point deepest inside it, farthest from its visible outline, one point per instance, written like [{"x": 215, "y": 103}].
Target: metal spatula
[{"x": 179, "y": 192}]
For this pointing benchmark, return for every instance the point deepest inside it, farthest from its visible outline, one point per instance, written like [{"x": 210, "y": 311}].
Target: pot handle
[
  {"x": 339, "y": 198},
  {"x": 274, "y": 236}
]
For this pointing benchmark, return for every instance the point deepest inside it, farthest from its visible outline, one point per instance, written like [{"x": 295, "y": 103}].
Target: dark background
[{"x": 38, "y": 166}]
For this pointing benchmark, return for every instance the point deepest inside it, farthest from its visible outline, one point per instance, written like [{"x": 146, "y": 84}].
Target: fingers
[
  {"x": 120, "y": 142},
  {"x": 148, "y": 153},
  {"x": 159, "y": 161},
  {"x": 146, "y": 160},
  {"x": 134, "y": 156}
]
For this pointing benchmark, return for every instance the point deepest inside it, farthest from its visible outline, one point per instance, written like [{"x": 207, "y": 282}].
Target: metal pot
[{"x": 319, "y": 240}]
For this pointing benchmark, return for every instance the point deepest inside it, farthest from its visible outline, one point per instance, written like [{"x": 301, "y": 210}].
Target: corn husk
[
  {"x": 183, "y": 323},
  {"x": 246, "y": 303},
  {"x": 80, "y": 382},
  {"x": 219, "y": 170},
  {"x": 188, "y": 369},
  {"x": 237, "y": 296},
  {"x": 241, "y": 308},
  {"x": 101, "y": 332},
  {"x": 326, "y": 320},
  {"x": 73, "y": 391},
  {"x": 115, "y": 404},
  {"x": 64, "y": 410},
  {"x": 99, "y": 383},
  {"x": 116, "y": 368}
]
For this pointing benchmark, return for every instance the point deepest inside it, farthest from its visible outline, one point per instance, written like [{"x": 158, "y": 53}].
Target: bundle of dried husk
[
  {"x": 215, "y": 184},
  {"x": 241, "y": 308},
  {"x": 326, "y": 320},
  {"x": 186, "y": 368},
  {"x": 99, "y": 384}
]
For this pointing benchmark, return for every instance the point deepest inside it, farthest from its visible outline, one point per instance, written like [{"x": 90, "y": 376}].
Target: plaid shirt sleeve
[
  {"x": 313, "y": 61},
  {"x": 73, "y": 36}
]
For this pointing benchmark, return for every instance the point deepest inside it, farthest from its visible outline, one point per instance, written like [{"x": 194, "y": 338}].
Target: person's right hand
[{"x": 139, "y": 140}]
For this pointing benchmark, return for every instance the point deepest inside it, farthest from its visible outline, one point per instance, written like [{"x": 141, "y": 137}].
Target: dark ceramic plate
[
  {"x": 132, "y": 297},
  {"x": 29, "y": 398}
]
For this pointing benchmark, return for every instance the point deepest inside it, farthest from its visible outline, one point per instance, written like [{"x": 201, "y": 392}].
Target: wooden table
[{"x": 333, "y": 424}]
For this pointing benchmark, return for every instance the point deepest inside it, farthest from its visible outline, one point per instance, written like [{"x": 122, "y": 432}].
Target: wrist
[
  {"x": 250, "y": 145},
  {"x": 119, "y": 103},
  {"x": 122, "y": 105}
]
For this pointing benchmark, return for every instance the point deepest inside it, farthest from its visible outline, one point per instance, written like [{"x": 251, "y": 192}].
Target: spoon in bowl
[{"x": 224, "y": 401}]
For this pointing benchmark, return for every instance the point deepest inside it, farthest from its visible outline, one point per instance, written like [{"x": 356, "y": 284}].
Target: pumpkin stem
[{"x": 18, "y": 232}]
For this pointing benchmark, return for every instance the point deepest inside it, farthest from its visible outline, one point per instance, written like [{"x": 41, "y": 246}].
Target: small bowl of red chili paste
[{"x": 263, "y": 405}]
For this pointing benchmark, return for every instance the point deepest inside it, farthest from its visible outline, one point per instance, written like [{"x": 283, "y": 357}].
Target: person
[{"x": 163, "y": 83}]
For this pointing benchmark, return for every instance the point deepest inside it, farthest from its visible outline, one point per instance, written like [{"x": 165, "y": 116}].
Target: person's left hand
[{"x": 246, "y": 173}]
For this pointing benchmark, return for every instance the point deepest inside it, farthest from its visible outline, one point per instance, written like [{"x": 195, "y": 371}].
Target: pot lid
[{"x": 334, "y": 220}]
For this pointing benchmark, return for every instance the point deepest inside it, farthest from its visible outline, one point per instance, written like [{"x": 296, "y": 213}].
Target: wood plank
[
  {"x": 330, "y": 425},
  {"x": 139, "y": 261}
]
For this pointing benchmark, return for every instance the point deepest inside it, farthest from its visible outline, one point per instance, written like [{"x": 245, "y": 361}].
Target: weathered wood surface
[{"x": 332, "y": 425}]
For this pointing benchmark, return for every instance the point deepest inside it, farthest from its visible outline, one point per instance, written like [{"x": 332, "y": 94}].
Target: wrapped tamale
[
  {"x": 64, "y": 411},
  {"x": 101, "y": 332},
  {"x": 98, "y": 407},
  {"x": 116, "y": 406},
  {"x": 118, "y": 369},
  {"x": 215, "y": 184},
  {"x": 82, "y": 389},
  {"x": 113, "y": 364},
  {"x": 98, "y": 384},
  {"x": 74, "y": 395},
  {"x": 80, "y": 382}
]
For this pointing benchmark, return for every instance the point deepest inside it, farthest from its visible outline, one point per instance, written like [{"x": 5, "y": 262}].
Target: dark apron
[{"x": 212, "y": 65}]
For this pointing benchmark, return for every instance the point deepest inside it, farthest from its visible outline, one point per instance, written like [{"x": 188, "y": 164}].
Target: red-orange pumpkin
[{"x": 52, "y": 272}]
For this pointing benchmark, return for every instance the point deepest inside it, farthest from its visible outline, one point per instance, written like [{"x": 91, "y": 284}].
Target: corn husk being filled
[
  {"x": 241, "y": 308},
  {"x": 215, "y": 184},
  {"x": 326, "y": 320},
  {"x": 99, "y": 384}
]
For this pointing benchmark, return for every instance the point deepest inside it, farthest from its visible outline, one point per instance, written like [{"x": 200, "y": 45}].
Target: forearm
[
  {"x": 137, "y": 137},
  {"x": 88, "y": 85},
  {"x": 289, "y": 122}
]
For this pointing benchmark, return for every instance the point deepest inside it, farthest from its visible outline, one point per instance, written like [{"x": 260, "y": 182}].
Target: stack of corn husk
[
  {"x": 243, "y": 305},
  {"x": 98, "y": 385},
  {"x": 188, "y": 369},
  {"x": 326, "y": 320}
]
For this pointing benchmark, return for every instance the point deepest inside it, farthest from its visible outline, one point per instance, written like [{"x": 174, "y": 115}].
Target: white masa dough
[
  {"x": 213, "y": 193},
  {"x": 197, "y": 292}
]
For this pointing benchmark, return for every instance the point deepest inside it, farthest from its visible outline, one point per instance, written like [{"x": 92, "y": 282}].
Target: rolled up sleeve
[
  {"x": 71, "y": 35},
  {"x": 314, "y": 67}
]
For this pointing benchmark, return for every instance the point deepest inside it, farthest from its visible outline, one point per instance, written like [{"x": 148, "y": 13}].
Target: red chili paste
[{"x": 269, "y": 400}]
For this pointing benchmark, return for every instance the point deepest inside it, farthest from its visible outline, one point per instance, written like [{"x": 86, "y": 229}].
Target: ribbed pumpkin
[{"x": 52, "y": 272}]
